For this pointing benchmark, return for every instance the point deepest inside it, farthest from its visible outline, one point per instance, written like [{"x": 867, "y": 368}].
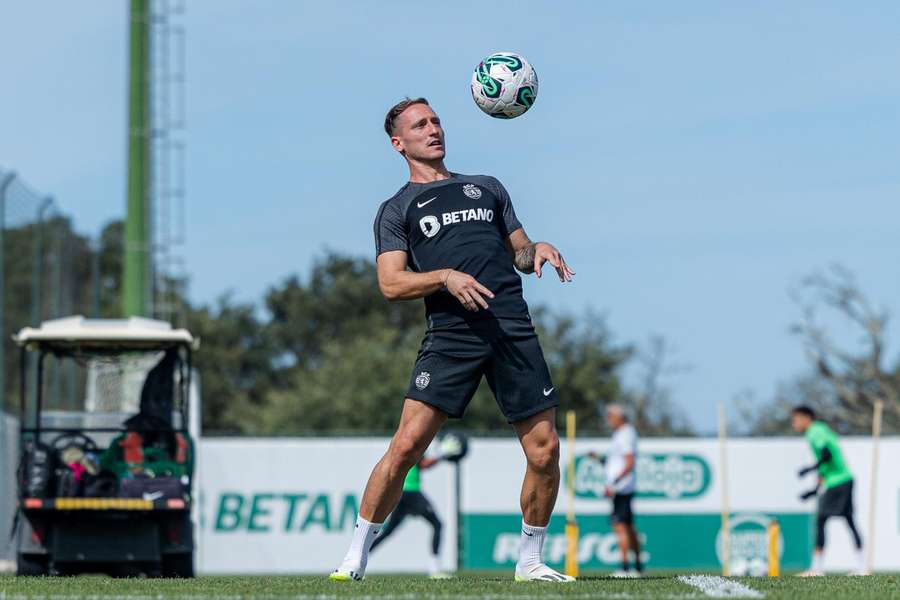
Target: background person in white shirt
[{"x": 620, "y": 486}]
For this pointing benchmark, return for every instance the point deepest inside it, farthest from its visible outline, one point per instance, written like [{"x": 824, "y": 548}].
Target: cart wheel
[
  {"x": 178, "y": 565},
  {"x": 31, "y": 565}
]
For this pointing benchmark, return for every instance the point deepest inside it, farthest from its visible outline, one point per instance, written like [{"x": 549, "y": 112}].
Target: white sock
[
  {"x": 363, "y": 536},
  {"x": 434, "y": 565},
  {"x": 818, "y": 562},
  {"x": 861, "y": 560},
  {"x": 531, "y": 546}
]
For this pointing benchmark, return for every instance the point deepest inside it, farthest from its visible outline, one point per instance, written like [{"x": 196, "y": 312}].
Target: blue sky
[{"x": 692, "y": 160}]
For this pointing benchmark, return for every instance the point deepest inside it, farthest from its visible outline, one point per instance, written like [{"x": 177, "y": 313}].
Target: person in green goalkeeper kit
[{"x": 837, "y": 498}]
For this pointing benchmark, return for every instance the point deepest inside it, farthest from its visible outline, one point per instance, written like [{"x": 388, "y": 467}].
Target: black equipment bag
[
  {"x": 68, "y": 485},
  {"x": 152, "y": 488},
  {"x": 36, "y": 470}
]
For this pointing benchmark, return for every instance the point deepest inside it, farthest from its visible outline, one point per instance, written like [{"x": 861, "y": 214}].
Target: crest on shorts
[
  {"x": 423, "y": 379},
  {"x": 472, "y": 191}
]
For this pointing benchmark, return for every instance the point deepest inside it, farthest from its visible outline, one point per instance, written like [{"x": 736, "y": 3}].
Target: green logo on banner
[
  {"x": 748, "y": 543},
  {"x": 669, "y": 476},
  {"x": 265, "y": 512}
]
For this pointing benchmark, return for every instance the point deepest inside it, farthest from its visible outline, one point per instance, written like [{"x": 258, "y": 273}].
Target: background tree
[
  {"x": 322, "y": 353},
  {"x": 846, "y": 378},
  {"x": 651, "y": 399}
]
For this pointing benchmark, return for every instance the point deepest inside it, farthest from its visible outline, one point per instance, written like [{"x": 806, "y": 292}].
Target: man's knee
[
  {"x": 406, "y": 450},
  {"x": 543, "y": 454}
]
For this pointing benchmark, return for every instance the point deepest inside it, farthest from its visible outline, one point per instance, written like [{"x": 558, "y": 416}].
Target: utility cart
[{"x": 105, "y": 477}]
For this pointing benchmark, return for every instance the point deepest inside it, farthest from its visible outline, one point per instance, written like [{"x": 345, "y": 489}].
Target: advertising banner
[
  {"x": 271, "y": 505},
  {"x": 290, "y": 506},
  {"x": 678, "y": 504}
]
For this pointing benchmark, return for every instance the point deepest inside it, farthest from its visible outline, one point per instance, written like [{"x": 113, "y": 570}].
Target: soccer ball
[{"x": 504, "y": 85}]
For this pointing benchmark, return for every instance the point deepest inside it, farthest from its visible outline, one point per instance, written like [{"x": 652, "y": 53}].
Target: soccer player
[
  {"x": 414, "y": 503},
  {"x": 620, "y": 487},
  {"x": 455, "y": 241},
  {"x": 835, "y": 477}
]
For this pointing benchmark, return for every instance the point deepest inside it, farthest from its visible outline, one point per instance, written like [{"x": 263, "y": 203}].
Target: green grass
[{"x": 409, "y": 588}]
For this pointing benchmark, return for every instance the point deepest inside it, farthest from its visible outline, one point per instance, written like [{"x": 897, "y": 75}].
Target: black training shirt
[{"x": 459, "y": 223}]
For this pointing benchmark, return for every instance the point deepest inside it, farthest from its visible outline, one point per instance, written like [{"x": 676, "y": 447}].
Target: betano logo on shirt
[
  {"x": 430, "y": 224},
  {"x": 668, "y": 476}
]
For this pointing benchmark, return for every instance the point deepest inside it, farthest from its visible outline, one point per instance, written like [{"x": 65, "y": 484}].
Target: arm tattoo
[{"x": 524, "y": 259}]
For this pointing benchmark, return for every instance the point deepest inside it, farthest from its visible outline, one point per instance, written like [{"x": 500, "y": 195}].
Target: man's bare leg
[
  {"x": 419, "y": 422},
  {"x": 540, "y": 442},
  {"x": 621, "y": 531},
  {"x": 635, "y": 545}
]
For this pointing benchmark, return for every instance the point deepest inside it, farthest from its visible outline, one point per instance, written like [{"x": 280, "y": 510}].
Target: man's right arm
[{"x": 397, "y": 283}]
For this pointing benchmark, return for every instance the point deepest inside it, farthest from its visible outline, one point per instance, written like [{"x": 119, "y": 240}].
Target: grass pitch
[{"x": 490, "y": 587}]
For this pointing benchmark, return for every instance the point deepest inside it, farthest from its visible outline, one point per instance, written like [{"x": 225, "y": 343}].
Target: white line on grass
[
  {"x": 719, "y": 587},
  {"x": 411, "y": 596}
]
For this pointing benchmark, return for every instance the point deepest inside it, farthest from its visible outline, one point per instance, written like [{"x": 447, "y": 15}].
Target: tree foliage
[
  {"x": 846, "y": 377},
  {"x": 322, "y": 353}
]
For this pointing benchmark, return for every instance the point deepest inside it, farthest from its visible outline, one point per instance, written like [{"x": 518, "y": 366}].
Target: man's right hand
[{"x": 467, "y": 290}]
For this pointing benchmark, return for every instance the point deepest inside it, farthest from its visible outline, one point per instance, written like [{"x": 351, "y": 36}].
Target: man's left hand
[
  {"x": 544, "y": 252},
  {"x": 608, "y": 491}
]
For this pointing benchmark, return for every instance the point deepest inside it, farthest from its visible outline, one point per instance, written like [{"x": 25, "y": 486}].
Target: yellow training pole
[
  {"x": 571, "y": 525},
  {"x": 773, "y": 532}
]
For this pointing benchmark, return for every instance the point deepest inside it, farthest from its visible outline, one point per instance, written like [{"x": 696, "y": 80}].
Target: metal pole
[
  {"x": 38, "y": 272},
  {"x": 136, "y": 260},
  {"x": 4, "y": 185},
  {"x": 95, "y": 279},
  {"x": 54, "y": 399},
  {"x": 38, "y": 275}
]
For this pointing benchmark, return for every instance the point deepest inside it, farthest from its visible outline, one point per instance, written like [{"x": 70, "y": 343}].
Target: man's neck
[{"x": 426, "y": 172}]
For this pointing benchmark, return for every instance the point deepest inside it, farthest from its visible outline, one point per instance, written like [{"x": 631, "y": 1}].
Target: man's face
[
  {"x": 614, "y": 419},
  {"x": 418, "y": 134},
  {"x": 800, "y": 422}
]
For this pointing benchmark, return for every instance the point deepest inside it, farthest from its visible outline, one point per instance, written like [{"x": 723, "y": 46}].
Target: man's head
[
  {"x": 415, "y": 130},
  {"x": 802, "y": 417},
  {"x": 615, "y": 416}
]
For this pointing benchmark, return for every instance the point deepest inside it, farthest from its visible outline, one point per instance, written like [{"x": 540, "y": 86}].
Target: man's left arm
[
  {"x": 825, "y": 457},
  {"x": 528, "y": 257}
]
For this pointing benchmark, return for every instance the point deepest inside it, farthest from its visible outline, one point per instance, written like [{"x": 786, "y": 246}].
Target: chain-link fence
[
  {"x": 47, "y": 270},
  {"x": 44, "y": 267}
]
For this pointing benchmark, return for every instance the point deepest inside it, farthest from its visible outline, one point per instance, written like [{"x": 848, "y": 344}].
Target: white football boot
[
  {"x": 348, "y": 572},
  {"x": 541, "y": 572}
]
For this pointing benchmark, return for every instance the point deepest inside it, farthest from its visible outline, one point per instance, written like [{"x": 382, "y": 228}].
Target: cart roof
[{"x": 75, "y": 332}]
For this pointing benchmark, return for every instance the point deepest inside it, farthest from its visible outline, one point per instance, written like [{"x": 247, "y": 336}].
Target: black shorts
[
  {"x": 621, "y": 509},
  {"x": 837, "y": 501},
  {"x": 506, "y": 352}
]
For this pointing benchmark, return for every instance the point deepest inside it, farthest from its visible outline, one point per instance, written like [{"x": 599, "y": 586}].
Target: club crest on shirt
[
  {"x": 472, "y": 191},
  {"x": 423, "y": 379}
]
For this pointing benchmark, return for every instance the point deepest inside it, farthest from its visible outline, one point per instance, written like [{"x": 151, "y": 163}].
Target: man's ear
[{"x": 397, "y": 144}]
